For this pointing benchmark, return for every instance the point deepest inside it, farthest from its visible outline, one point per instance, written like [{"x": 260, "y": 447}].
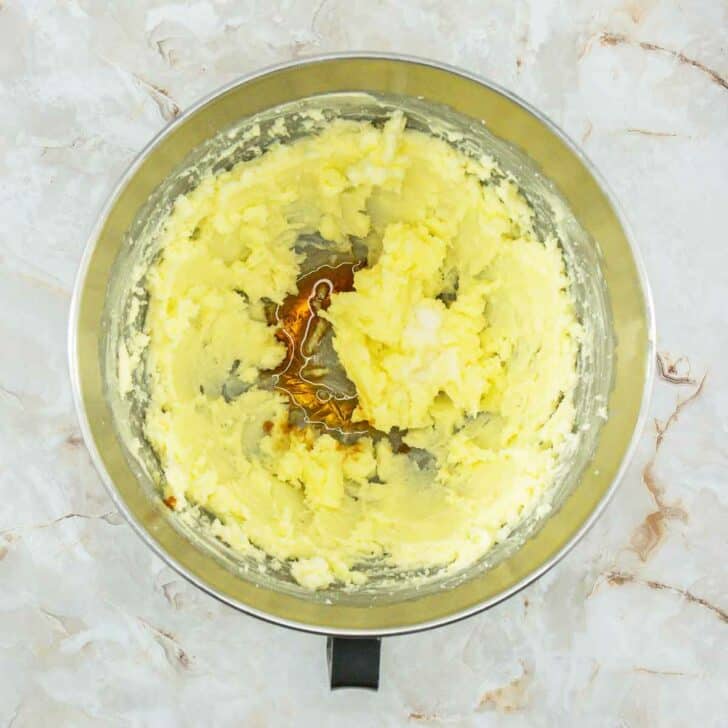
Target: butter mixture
[{"x": 459, "y": 336}]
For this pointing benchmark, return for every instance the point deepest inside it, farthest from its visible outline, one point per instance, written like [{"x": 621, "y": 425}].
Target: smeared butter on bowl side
[{"x": 460, "y": 335}]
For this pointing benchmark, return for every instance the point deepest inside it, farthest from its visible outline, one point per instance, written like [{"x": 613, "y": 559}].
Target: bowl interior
[{"x": 566, "y": 200}]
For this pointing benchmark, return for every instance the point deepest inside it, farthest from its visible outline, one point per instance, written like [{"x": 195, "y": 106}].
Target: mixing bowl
[{"x": 567, "y": 195}]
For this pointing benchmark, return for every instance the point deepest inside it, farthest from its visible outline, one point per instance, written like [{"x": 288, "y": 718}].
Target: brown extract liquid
[{"x": 301, "y": 329}]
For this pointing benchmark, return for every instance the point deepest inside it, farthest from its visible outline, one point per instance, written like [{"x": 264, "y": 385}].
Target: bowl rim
[{"x": 90, "y": 246}]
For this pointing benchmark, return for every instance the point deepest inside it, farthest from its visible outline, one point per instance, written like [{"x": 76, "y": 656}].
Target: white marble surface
[{"x": 630, "y": 630}]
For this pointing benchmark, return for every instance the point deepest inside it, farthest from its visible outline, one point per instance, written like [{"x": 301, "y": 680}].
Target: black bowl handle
[{"x": 353, "y": 662}]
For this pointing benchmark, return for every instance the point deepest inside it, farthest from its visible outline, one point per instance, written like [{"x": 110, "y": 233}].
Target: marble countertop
[{"x": 631, "y": 629}]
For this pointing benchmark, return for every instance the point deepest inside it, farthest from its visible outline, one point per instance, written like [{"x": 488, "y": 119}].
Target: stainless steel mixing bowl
[{"x": 627, "y": 299}]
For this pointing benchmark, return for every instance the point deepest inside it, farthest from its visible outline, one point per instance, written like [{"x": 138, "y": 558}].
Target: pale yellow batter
[{"x": 460, "y": 332}]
